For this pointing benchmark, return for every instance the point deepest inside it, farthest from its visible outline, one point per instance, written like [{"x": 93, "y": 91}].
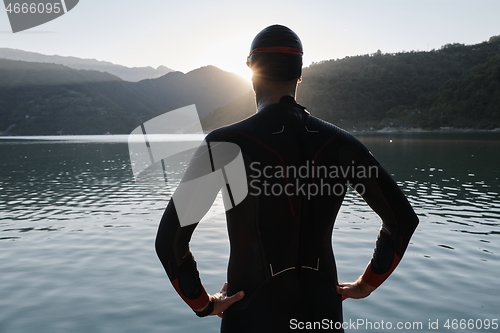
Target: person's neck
[
  {"x": 263, "y": 101},
  {"x": 270, "y": 92}
]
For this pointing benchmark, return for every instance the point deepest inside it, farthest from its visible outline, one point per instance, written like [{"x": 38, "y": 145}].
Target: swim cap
[{"x": 276, "y": 54}]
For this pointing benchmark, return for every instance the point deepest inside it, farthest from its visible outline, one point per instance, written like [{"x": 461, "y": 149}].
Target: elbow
[
  {"x": 411, "y": 217},
  {"x": 157, "y": 246},
  {"x": 414, "y": 221},
  {"x": 160, "y": 247}
]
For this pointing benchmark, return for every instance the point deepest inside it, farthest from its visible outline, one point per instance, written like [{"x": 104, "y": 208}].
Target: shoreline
[
  {"x": 421, "y": 130},
  {"x": 384, "y": 130}
]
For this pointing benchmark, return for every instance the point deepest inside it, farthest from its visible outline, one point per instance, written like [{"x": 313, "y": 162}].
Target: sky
[{"x": 185, "y": 35}]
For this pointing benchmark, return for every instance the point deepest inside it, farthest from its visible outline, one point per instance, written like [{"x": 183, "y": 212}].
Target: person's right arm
[
  {"x": 172, "y": 247},
  {"x": 193, "y": 196}
]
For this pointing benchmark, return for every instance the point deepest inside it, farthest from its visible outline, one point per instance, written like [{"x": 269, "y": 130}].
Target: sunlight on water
[{"x": 77, "y": 237}]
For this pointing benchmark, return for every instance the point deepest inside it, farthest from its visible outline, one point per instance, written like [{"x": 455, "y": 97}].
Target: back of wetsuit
[
  {"x": 286, "y": 244},
  {"x": 298, "y": 169}
]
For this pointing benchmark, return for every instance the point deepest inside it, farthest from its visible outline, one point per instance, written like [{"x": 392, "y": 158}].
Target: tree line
[{"x": 455, "y": 86}]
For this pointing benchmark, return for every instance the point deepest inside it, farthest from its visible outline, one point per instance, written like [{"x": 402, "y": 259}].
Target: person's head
[{"x": 276, "y": 55}]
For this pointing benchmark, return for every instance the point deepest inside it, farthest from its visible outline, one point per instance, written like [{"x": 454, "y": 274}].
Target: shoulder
[
  {"x": 331, "y": 132},
  {"x": 226, "y": 132}
]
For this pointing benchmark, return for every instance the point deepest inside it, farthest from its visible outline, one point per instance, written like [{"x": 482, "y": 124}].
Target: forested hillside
[
  {"x": 473, "y": 101},
  {"x": 453, "y": 86}
]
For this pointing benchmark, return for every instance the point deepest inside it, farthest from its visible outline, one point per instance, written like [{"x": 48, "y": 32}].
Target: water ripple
[{"x": 77, "y": 239}]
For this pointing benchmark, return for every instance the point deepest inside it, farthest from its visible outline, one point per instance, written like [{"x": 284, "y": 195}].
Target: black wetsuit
[{"x": 281, "y": 248}]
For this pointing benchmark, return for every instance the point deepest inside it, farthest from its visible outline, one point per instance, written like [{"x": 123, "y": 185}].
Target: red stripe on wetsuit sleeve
[
  {"x": 376, "y": 280},
  {"x": 194, "y": 304}
]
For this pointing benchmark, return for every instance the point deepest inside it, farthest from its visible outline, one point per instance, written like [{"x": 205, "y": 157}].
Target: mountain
[
  {"x": 241, "y": 108},
  {"x": 46, "y": 99},
  {"x": 397, "y": 90},
  {"x": 471, "y": 101},
  {"x": 133, "y": 74},
  {"x": 455, "y": 86},
  {"x": 208, "y": 87}
]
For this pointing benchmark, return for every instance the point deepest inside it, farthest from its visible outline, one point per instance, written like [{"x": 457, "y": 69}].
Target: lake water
[{"x": 77, "y": 239}]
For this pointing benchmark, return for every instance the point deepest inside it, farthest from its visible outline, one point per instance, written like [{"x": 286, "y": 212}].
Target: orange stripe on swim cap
[{"x": 277, "y": 49}]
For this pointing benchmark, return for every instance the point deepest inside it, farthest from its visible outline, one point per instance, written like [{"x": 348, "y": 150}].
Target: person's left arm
[{"x": 399, "y": 221}]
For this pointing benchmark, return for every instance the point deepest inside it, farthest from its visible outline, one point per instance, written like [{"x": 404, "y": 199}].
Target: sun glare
[{"x": 230, "y": 54}]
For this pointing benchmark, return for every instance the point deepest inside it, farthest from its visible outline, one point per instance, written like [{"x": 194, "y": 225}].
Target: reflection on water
[
  {"x": 451, "y": 266},
  {"x": 77, "y": 234}
]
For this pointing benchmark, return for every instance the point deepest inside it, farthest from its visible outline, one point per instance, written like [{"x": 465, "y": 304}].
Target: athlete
[{"x": 281, "y": 268}]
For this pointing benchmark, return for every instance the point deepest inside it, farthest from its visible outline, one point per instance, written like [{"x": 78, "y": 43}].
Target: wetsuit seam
[
  {"x": 274, "y": 152},
  {"x": 321, "y": 149}
]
